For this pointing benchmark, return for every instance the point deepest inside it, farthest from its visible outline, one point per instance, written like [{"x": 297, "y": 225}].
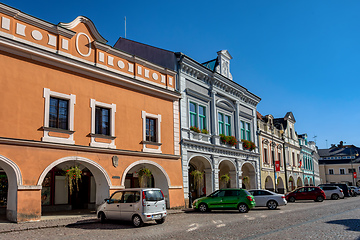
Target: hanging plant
[
  {"x": 225, "y": 178},
  {"x": 73, "y": 175},
  {"x": 144, "y": 175},
  {"x": 245, "y": 179},
  {"x": 198, "y": 176}
]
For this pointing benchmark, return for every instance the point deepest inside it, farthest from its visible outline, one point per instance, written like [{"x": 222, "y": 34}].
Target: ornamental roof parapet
[{"x": 217, "y": 81}]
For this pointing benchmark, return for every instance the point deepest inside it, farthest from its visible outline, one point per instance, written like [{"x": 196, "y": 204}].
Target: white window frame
[
  {"x": 145, "y": 115},
  {"x": 72, "y": 101},
  {"x": 112, "y": 107},
  {"x": 332, "y": 171},
  {"x": 340, "y": 171}
]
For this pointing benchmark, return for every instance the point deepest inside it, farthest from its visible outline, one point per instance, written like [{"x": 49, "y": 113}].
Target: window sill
[
  {"x": 151, "y": 143},
  {"x": 102, "y": 136},
  {"x": 59, "y": 130}
]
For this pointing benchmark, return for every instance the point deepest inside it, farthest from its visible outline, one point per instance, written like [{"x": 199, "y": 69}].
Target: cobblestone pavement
[{"x": 331, "y": 219}]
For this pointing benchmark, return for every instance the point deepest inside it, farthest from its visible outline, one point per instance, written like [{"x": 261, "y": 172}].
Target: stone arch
[
  {"x": 248, "y": 170},
  {"x": 160, "y": 176},
  {"x": 102, "y": 179},
  {"x": 202, "y": 164},
  {"x": 291, "y": 183},
  {"x": 306, "y": 181},
  {"x": 280, "y": 185},
  {"x": 299, "y": 182},
  {"x": 14, "y": 177},
  {"x": 269, "y": 183},
  {"x": 226, "y": 104},
  {"x": 311, "y": 182},
  {"x": 227, "y": 166}
]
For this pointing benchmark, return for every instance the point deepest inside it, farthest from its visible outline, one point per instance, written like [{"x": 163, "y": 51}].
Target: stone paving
[{"x": 53, "y": 220}]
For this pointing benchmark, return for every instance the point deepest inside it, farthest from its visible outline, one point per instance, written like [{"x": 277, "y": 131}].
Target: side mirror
[{"x": 106, "y": 200}]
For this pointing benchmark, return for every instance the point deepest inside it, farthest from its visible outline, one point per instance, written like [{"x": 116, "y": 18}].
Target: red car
[{"x": 306, "y": 193}]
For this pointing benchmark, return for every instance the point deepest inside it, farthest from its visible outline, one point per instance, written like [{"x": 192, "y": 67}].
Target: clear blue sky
[{"x": 299, "y": 56}]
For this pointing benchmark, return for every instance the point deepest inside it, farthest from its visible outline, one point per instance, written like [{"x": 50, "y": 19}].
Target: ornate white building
[{"x": 214, "y": 104}]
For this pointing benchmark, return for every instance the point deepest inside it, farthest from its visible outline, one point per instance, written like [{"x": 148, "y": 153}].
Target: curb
[{"x": 78, "y": 221}]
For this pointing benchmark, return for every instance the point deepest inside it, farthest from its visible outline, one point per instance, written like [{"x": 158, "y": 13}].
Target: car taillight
[
  {"x": 162, "y": 194},
  {"x": 282, "y": 196},
  {"x": 143, "y": 201},
  {"x": 250, "y": 198},
  {"x": 341, "y": 190}
]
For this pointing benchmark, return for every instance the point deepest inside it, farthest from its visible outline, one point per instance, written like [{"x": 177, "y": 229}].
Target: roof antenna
[{"x": 125, "y": 27}]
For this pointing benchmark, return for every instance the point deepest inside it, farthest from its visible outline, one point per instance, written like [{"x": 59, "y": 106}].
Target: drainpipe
[{"x": 285, "y": 166}]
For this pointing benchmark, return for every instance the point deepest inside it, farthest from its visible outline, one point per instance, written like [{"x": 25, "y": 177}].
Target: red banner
[
  {"x": 277, "y": 166},
  {"x": 355, "y": 175}
]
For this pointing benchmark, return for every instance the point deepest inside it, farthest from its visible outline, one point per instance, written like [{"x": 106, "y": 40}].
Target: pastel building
[{"x": 70, "y": 100}]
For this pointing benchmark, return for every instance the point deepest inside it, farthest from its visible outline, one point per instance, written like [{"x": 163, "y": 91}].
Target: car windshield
[{"x": 153, "y": 195}]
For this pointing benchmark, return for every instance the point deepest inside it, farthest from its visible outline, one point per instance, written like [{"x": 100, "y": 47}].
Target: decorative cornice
[
  {"x": 215, "y": 149},
  {"x": 219, "y": 82},
  {"x": 13, "y": 12},
  {"x": 38, "y": 144}
]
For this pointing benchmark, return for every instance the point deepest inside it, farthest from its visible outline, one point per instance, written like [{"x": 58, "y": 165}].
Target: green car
[{"x": 226, "y": 199}]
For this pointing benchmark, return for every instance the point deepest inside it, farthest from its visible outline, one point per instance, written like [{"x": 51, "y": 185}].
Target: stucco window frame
[
  {"x": 71, "y": 112},
  {"x": 340, "y": 171},
  {"x": 156, "y": 145},
  {"x": 203, "y": 103},
  {"x": 93, "y": 135},
  {"x": 332, "y": 171}
]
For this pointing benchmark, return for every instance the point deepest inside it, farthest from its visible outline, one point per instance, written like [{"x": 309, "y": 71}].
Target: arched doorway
[
  {"x": 280, "y": 185},
  {"x": 199, "y": 187},
  {"x": 159, "y": 178},
  {"x": 91, "y": 191},
  {"x": 227, "y": 171},
  {"x": 10, "y": 180},
  {"x": 311, "y": 182},
  {"x": 299, "y": 182},
  {"x": 248, "y": 176},
  {"x": 269, "y": 184},
  {"x": 306, "y": 181},
  {"x": 291, "y": 183}
]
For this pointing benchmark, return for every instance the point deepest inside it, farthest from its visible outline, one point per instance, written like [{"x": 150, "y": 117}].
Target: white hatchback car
[
  {"x": 333, "y": 192},
  {"x": 266, "y": 198},
  {"x": 138, "y": 205}
]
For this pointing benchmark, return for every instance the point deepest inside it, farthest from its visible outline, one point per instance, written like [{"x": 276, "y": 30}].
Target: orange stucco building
[{"x": 68, "y": 99}]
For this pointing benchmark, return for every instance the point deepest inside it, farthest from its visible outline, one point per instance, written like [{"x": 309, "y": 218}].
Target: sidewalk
[{"x": 52, "y": 220}]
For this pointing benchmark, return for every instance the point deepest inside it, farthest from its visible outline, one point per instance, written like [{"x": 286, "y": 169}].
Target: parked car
[
  {"x": 138, "y": 205},
  {"x": 347, "y": 191},
  {"x": 266, "y": 198},
  {"x": 333, "y": 192},
  {"x": 355, "y": 191},
  {"x": 225, "y": 199},
  {"x": 306, "y": 193}
]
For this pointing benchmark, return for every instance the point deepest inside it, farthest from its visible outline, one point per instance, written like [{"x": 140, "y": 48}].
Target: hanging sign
[{"x": 355, "y": 175}]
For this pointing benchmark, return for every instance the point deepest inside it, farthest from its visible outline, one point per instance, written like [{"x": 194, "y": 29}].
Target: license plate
[{"x": 157, "y": 216}]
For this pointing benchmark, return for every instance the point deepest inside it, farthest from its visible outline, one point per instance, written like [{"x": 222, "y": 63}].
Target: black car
[{"x": 347, "y": 191}]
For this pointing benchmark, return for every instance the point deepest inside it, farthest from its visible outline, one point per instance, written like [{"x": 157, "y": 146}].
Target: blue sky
[{"x": 299, "y": 56}]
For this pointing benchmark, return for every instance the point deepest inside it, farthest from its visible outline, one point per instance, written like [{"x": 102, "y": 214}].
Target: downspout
[{"x": 285, "y": 166}]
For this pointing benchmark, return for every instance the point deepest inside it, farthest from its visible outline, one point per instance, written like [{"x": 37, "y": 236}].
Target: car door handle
[
  {"x": 118, "y": 205},
  {"x": 130, "y": 205}
]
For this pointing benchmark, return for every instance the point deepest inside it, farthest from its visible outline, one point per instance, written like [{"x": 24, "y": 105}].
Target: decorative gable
[{"x": 223, "y": 68}]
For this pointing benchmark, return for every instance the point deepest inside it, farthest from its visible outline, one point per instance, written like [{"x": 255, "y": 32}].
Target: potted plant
[
  {"x": 73, "y": 175},
  {"x": 144, "y": 175},
  {"x": 231, "y": 140}
]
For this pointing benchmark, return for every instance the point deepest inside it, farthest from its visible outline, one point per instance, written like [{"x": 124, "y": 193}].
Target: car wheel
[
  {"x": 334, "y": 196},
  {"x": 137, "y": 221},
  {"x": 355, "y": 194},
  {"x": 203, "y": 207},
  {"x": 272, "y": 205},
  {"x": 243, "y": 208},
  {"x": 319, "y": 199},
  {"x": 291, "y": 199},
  {"x": 102, "y": 217},
  {"x": 160, "y": 221}
]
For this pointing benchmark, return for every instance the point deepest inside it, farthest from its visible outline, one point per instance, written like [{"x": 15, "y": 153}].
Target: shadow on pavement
[
  {"x": 108, "y": 225},
  {"x": 352, "y": 224}
]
